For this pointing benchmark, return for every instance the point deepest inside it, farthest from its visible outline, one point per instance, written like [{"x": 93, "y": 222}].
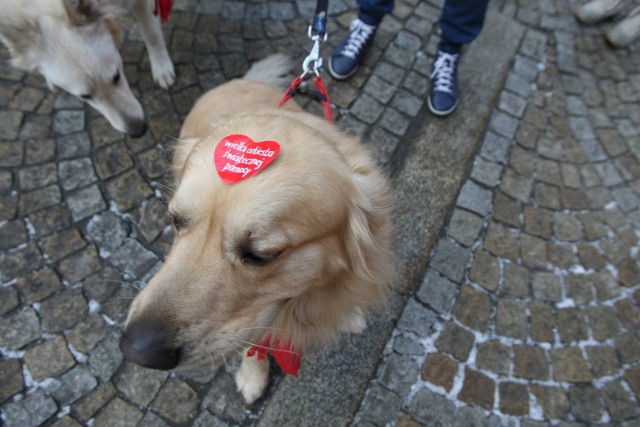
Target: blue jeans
[{"x": 461, "y": 20}]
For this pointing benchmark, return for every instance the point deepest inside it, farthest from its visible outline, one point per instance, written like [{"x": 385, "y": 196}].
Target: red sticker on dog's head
[{"x": 238, "y": 157}]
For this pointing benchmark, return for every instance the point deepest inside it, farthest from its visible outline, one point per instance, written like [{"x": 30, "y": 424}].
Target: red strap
[
  {"x": 288, "y": 360},
  {"x": 164, "y": 8},
  {"x": 326, "y": 104},
  {"x": 288, "y": 94}
]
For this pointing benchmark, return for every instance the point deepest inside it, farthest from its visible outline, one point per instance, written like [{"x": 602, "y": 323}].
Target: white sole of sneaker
[
  {"x": 441, "y": 113},
  {"x": 340, "y": 76}
]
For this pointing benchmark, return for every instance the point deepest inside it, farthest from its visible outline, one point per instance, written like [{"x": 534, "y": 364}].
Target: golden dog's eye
[
  {"x": 179, "y": 222},
  {"x": 249, "y": 257}
]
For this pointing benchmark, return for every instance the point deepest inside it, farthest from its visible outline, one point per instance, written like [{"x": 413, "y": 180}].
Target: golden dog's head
[{"x": 294, "y": 252}]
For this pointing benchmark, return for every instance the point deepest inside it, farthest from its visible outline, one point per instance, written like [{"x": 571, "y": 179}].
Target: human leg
[
  {"x": 461, "y": 22},
  {"x": 348, "y": 54}
]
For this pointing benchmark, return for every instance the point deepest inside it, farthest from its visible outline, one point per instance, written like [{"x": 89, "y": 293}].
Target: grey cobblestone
[
  {"x": 13, "y": 234},
  {"x": 399, "y": 373},
  {"x": 21, "y": 262},
  {"x": 76, "y": 173},
  {"x": 139, "y": 385},
  {"x": 79, "y": 265},
  {"x": 133, "y": 259},
  {"x": 456, "y": 341},
  {"x": 85, "y": 202},
  {"x": 381, "y": 405},
  {"x": 72, "y": 385},
  {"x": 437, "y": 292},
  {"x": 450, "y": 259},
  {"x": 49, "y": 359},
  {"x": 31, "y": 411},
  {"x": 394, "y": 122},
  {"x": 464, "y": 226},
  {"x": 34, "y": 177},
  {"x": 521, "y": 310},
  {"x": 475, "y": 198},
  {"x": 367, "y": 109},
  {"x": 485, "y": 270},
  {"x": 495, "y": 148},
  {"x": 39, "y": 199},
  {"x": 68, "y": 121},
  {"x": 511, "y": 319},
  {"x": 63, "y": 310},
  {"x": 106, "y": 358},
  {"x": 417, "y": 319},
  {"x": 494, "y": 357},
  {"x": 112, "y": 160},
  {"x": 118, "y": 411},
  {"x": 19, "y": 329},
  {"x": 107, "y": 230},
  {"x": 87, "y": 334},
  {"x": 486, "y": 172}
]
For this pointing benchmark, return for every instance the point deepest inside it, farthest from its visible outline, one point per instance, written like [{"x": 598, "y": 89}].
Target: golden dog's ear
[
  {"x": 368, "y": 236},
  {"x": 181, "y": 151}
]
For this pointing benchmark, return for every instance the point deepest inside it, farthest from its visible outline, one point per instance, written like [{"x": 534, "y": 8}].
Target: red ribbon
[
  {"x": 288, "y": 360},
  {"x": 164, "y": 8}
]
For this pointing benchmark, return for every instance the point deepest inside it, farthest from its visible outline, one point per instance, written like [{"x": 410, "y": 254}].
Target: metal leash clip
[
  {"x": 314, "y": 56},
  {"x": 312, "y": 65}
]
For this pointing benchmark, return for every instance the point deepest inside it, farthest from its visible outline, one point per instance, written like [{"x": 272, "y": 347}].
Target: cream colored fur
[{"x": 319, "y": 215}]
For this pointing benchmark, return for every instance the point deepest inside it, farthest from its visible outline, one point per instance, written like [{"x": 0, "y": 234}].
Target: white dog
[{"x": 74, "y": 45}]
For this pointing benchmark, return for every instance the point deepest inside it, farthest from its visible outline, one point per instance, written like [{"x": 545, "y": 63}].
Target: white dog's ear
[
  {"x": 85, "y": 12},
  {"x": 23, "y": 44},
  {"x": 82, "y": 12},
  {"x": 115, "y": 28}
]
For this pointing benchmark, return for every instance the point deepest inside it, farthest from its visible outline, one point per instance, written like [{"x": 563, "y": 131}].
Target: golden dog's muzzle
[{"x": 149, "y": 343}]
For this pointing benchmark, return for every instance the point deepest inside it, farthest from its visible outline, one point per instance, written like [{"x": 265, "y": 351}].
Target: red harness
[
  {"x": 319, "y": 95},
  {"x": 312, "y": 65}
]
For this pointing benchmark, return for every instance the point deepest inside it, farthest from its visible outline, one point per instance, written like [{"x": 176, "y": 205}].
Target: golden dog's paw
[
  {"x": 252, "y": 378},
  {"x": 355, "y": 323}
]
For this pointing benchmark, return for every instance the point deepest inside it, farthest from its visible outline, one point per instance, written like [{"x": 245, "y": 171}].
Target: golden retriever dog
[
  {"x": 74, "y": 45},
  {"x": 280, "y": 262}
]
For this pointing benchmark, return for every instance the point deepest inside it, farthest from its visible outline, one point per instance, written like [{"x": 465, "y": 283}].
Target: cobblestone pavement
[{"x": 522, "y": 307}]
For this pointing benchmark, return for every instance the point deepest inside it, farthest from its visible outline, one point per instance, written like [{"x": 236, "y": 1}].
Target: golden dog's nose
[{"x": 148, "y": 345}]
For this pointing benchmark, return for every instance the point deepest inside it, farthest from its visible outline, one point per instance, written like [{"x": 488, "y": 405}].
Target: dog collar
[{"x": 288, "y": 360}]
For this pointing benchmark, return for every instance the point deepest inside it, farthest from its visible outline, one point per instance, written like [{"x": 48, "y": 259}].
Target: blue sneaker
[
  {"x": 443, "y": 98},
  {"x": 347, "y": 55}
]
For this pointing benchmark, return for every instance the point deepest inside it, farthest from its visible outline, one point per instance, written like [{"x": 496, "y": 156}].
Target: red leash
[{"x": 288, "y": 359}]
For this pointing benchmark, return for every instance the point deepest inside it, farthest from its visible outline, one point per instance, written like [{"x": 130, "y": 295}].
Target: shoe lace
[
  {"x": 443, "y": 70},
  {"x": 358, "y": 37}
]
